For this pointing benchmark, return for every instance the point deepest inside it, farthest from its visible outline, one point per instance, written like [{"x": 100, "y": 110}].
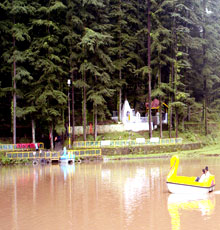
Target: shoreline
[{"x": 129, "y": 153}]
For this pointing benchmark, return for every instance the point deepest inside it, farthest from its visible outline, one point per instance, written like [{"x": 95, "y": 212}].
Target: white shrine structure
[{"x": 134, "y": 122}]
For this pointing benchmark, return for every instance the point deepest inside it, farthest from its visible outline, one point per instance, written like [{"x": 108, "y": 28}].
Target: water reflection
[
  {"x": 126, "y": 195},
  {"x": 135, "y": 188},
  {"x": 68, "y": 170},
  {"x": 205, "y": 203}
]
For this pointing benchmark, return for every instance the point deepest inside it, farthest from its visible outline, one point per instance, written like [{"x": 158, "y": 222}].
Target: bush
[
  {"x": 21, "y": 161},
  {"x": 190, "y": 137},
  {"x": 5, "y": 160}
]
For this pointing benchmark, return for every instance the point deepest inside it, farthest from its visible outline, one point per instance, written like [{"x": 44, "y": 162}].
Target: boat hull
[
  {"x": 188, "y": 189},
  {"x": 67, "y": 158}
]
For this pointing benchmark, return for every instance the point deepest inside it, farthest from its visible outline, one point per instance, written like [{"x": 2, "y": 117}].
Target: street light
[{"x": 69, "y": 83}]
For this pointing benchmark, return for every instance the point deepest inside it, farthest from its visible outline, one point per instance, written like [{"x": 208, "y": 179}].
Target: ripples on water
[{"x": 113, "y": 195}]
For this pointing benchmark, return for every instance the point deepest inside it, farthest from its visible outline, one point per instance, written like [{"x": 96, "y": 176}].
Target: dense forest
[{"x": 110, "y": 50}]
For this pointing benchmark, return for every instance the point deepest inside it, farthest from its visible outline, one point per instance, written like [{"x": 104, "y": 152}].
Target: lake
[{"x": 111, "y": 195}]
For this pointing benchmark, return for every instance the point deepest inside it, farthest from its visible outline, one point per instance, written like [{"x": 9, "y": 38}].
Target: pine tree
[
  {"x": 98, "y": 65},
  {"x": 74, "y": 29},
  {"x": 161, "y": 41},
  {"x": 48, "y": 59},
  {"x": 209, "y": 48},
  {"x": 16, "y": 54}
]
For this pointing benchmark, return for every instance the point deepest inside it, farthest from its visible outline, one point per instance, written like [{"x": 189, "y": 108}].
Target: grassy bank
[
  {"x": 189, "y": 135},
  {"x": 211, "y": 144},
  {"x": 210, "y": 150},
  {"x": 193, "y": 133}
]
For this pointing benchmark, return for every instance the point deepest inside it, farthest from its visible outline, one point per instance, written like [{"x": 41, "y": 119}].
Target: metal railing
[
  {"x": 54, "y": 155},
  {"x": 33, "y": 155},
  {"x": 86, "y": 153},
  {"x": 21, "y": 146},
  {"x": 124, "y": 143}
]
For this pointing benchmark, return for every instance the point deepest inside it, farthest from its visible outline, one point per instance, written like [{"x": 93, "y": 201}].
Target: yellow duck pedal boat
[{"x": 183, "y": 184}]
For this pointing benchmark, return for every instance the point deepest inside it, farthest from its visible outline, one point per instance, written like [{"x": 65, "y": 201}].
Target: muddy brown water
[{"x": 105, "y": 196}]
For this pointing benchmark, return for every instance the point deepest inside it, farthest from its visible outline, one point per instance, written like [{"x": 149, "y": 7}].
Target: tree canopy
[{"x": 103, "y": 45}]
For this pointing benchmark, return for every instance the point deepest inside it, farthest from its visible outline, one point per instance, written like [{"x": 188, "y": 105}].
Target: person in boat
[
  {"x": 202, "y": 178},
  {"x": 207, "y": 173}
]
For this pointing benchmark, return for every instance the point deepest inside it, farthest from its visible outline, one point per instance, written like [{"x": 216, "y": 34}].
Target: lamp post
[{"x": 69, "y": 83}]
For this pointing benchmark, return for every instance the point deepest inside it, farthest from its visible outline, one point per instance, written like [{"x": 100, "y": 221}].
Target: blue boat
[{"x": 67, "y": 157}]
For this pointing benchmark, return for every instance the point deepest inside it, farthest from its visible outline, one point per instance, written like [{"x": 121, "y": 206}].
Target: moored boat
[
  {"x": 67, "y": 157},
  {"x": 183, "y": 184}
]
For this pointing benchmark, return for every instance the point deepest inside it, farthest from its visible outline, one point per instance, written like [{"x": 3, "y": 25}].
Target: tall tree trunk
[
  {"x": 119, "y": 103},
  {"x": 170, "y": 109},
  {"x": 177, "y": 122},
  {"x": 205, "y": 77},
  {"x": 73, "y": 108},
  {"x": 120, "y": 74},
  {"x": 14, "y": 104},
  {"x": 175, "y": 78},
  {"x": 149, "y": 64},
  {"x": 160, "y": 104},
  {"x": 175, "y": 92},
  {"x": 95, "y": 122},
  {"x": 51, "y": 138},
  {"x": 33, "y": 131},
  {"x": 161, "y": 124},
  {"x": 188, "y": 113},
  {"x": 205, "y": 106},
  {"x": 14, "y": 93},
  {"x": 63, "y": 133},
  {"x": 69, "y": 139},
  {"x": 84, "y": 109},
  {"x": 173, "y": 75}
]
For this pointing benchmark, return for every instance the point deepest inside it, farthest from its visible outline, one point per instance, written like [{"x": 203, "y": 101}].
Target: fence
[
  {"x": 33, "y": 155},
  {"x": 22, "y": 146},
  {"x": 52, "y": 155},
  {"x": 86, "y": 153},
  {"x": 124, "y": 143}
]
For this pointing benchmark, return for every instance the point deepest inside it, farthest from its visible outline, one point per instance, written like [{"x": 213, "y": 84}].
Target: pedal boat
[{"x": 184, "y": 184}]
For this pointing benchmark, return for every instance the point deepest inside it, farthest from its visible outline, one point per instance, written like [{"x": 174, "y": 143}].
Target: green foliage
[
  {"x": 59, "y": 127},
  {"x": 8, "y": 161},
  {"x": 22, "y": 161},
  {"x": 190, "y": 136},
  {"x": 5, "y": 160},
  {"x": 103, "y": 46}
]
